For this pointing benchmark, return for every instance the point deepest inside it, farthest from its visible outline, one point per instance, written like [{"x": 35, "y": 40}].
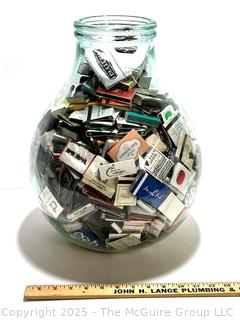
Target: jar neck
[{"x": 115, "y": 30}]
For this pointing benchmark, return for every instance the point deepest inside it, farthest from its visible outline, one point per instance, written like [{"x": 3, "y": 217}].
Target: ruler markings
[{"x": 131, "y": 290}]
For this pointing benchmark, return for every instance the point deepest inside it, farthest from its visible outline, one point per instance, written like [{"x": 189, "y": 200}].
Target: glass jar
[{"x": 114, "y": 160}]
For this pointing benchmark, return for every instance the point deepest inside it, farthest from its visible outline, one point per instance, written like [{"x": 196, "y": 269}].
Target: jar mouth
[{"x": 116, "y": 25}]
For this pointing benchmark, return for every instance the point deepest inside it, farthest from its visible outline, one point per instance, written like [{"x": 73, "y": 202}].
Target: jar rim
[
  {"x": 106, "y": 22},
  {"x": 120, "y": 25}
]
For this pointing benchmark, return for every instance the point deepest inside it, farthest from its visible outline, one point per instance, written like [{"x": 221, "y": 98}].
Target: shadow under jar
[{"x": 114, "y": 160}]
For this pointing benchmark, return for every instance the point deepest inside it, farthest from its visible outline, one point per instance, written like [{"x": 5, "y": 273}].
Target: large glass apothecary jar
[{"x": 114, "y": 160}]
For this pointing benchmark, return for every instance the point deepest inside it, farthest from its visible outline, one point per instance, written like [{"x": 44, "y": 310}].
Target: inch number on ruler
[{"x": 128, "y": 290}]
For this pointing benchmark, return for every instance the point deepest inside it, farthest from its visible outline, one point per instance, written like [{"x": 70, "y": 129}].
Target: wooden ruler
[{"x": 131, "y": 290}]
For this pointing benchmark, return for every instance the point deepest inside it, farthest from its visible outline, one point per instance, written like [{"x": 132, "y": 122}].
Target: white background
[{"x": 198, "y": 56}]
